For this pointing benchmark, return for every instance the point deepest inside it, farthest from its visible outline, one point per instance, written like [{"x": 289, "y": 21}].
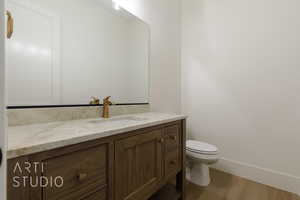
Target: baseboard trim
[{"x": 269, "y": 177}]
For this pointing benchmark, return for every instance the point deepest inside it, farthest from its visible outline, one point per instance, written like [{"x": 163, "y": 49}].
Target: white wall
[
  {"x": 241, "y": 83},
  {"x": 2, "y": 105},
  {"x": 163, "y": 16}
]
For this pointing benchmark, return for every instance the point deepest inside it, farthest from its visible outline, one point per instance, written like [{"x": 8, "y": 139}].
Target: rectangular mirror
[{"x": 65, "y": 52}]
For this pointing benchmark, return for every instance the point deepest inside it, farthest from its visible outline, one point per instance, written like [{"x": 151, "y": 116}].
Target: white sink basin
[{"x": 119, "y": 119}]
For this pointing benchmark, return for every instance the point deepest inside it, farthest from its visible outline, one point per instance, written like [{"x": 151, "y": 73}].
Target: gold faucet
[
  {"x": 106, "y": 104},
  {"x": 95, "y": 101}
]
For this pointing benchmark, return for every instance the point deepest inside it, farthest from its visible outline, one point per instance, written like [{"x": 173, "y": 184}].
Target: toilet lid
[{"x": 201, "y": 147}]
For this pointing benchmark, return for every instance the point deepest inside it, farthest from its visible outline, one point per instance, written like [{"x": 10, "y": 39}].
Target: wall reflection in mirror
[{"x": 64, "y": 52}]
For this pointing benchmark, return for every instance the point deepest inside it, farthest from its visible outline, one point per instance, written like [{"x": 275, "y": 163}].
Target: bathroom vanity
[{"x": 125, "y": 157}]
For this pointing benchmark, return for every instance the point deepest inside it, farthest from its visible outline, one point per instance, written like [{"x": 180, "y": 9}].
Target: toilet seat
[{"x": 201, "y": 148}]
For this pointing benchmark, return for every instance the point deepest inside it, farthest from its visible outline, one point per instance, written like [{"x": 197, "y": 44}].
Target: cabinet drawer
[
  {"x": 172, "y": 163},
  {"x": 83, "y": 172},
  {"x": 172, "y": 138}
]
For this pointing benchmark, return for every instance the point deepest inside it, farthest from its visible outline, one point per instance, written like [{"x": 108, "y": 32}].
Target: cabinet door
[{"x": 138, "y": 165}]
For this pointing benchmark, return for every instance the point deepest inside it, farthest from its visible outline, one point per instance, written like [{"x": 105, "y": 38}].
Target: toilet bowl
[{"x": 200, "y": 155}]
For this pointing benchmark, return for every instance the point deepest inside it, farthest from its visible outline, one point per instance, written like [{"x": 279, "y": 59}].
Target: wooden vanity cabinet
[{"x": 128, "y": 166}]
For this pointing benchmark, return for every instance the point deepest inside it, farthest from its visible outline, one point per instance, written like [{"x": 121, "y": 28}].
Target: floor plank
[{"x": 229, "y": 187}]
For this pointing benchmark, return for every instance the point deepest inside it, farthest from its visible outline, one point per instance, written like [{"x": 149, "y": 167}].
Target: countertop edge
[{"x": 20, "y": 152}]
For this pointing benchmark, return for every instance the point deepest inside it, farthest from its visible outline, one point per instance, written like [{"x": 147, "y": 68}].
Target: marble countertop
[{"x": 29, "y": 139}]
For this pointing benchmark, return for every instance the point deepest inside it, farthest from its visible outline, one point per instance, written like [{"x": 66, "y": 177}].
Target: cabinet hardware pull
[
  {"x": 161, "y": 140},
  {"x": 82, "y": 176},
  {"x": 173, "y": 137},
  {"x": 173, "y": 162},
  {"x": 10, "y": 25}
]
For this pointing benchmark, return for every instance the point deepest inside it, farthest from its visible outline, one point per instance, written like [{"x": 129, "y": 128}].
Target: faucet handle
[
  {"x": 106, "y": 98},
  {"x": 95, "y": 100},
  {"x": 107, "y": 101}
]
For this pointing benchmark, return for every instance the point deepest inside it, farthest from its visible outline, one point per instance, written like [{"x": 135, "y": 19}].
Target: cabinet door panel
[
  {"x": 138, "y": 165},
  {"x": 83, "y": 171}
]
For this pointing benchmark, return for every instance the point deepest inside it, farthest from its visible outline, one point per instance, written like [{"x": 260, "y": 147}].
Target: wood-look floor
[{"x": 228, "y": 187}]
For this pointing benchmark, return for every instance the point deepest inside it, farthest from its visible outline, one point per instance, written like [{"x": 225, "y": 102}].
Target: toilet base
[{"x": 198, "y": 174}]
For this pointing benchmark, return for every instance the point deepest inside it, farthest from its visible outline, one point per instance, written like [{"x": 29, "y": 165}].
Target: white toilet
[{"x": 200, "y": 155}]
